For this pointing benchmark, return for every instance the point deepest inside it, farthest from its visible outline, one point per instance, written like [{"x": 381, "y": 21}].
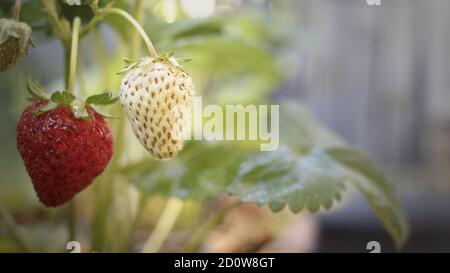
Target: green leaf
[
  {"x": 311, "y": 181},
  {"x": 45, "y": 108},
  {"x": 37, "y": 91},
  {"x": 62, "y": 97},
  {"x": 200, "y": 171},
  {"x": 380, "y": 194},
  {"x": 105, "y": 98},
  {"x": 80, "y": 112}
]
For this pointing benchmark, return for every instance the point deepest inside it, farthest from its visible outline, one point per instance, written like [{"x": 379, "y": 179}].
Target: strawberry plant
[{"x": 67, "y": 142}]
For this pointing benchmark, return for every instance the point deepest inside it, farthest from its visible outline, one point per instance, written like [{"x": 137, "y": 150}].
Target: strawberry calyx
[
  {"x": 64, "y": 97},
  {"x": 165, "y": 57}
]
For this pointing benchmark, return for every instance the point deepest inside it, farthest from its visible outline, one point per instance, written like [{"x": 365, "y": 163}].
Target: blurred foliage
[
  {"x": 201, "y": 171},
  {"x": 311, "y": 174},
  {"x": 307, "y": 182}
]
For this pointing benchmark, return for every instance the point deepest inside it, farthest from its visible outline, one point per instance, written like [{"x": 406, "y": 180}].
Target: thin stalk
[
  {"x": 130, "y": 19},
  {"x": 71, "y": 76},
  {"x": 101, "y": 13},
  {"x": 98, "y": 16},
  {"x": 207, "y": 227},
  {"x": 90, "y": 26},
  {"x": 164, "y": 226},
  {"x": 16, "y": 11},
  {"x": 138, "y": 14},
  {"x": 73, "y": 54},
  {"x": 92, "y": 23}
]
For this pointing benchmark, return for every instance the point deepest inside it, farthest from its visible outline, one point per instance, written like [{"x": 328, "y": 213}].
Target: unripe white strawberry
[{"x": 157, "y": 96}]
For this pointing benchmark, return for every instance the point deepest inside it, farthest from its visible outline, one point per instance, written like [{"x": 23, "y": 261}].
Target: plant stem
[
  {"x": 138, "y": 14},
  {"x": 71, "y": 76},
  {"x": 73, "y": 54},
  {"x": 16, "y": 231},
  {"x": 144, "y": 35},
  {"x": 101, "y": 13},
  {"x": 164, "y": 226},
  {"x": 16, "y": 11},
  {"x": 94, "y": 21},
  {"x": 206, "y": 228}
]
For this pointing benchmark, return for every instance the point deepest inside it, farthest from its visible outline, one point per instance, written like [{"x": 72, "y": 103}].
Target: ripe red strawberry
[{"x": 62, "y": 154}]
